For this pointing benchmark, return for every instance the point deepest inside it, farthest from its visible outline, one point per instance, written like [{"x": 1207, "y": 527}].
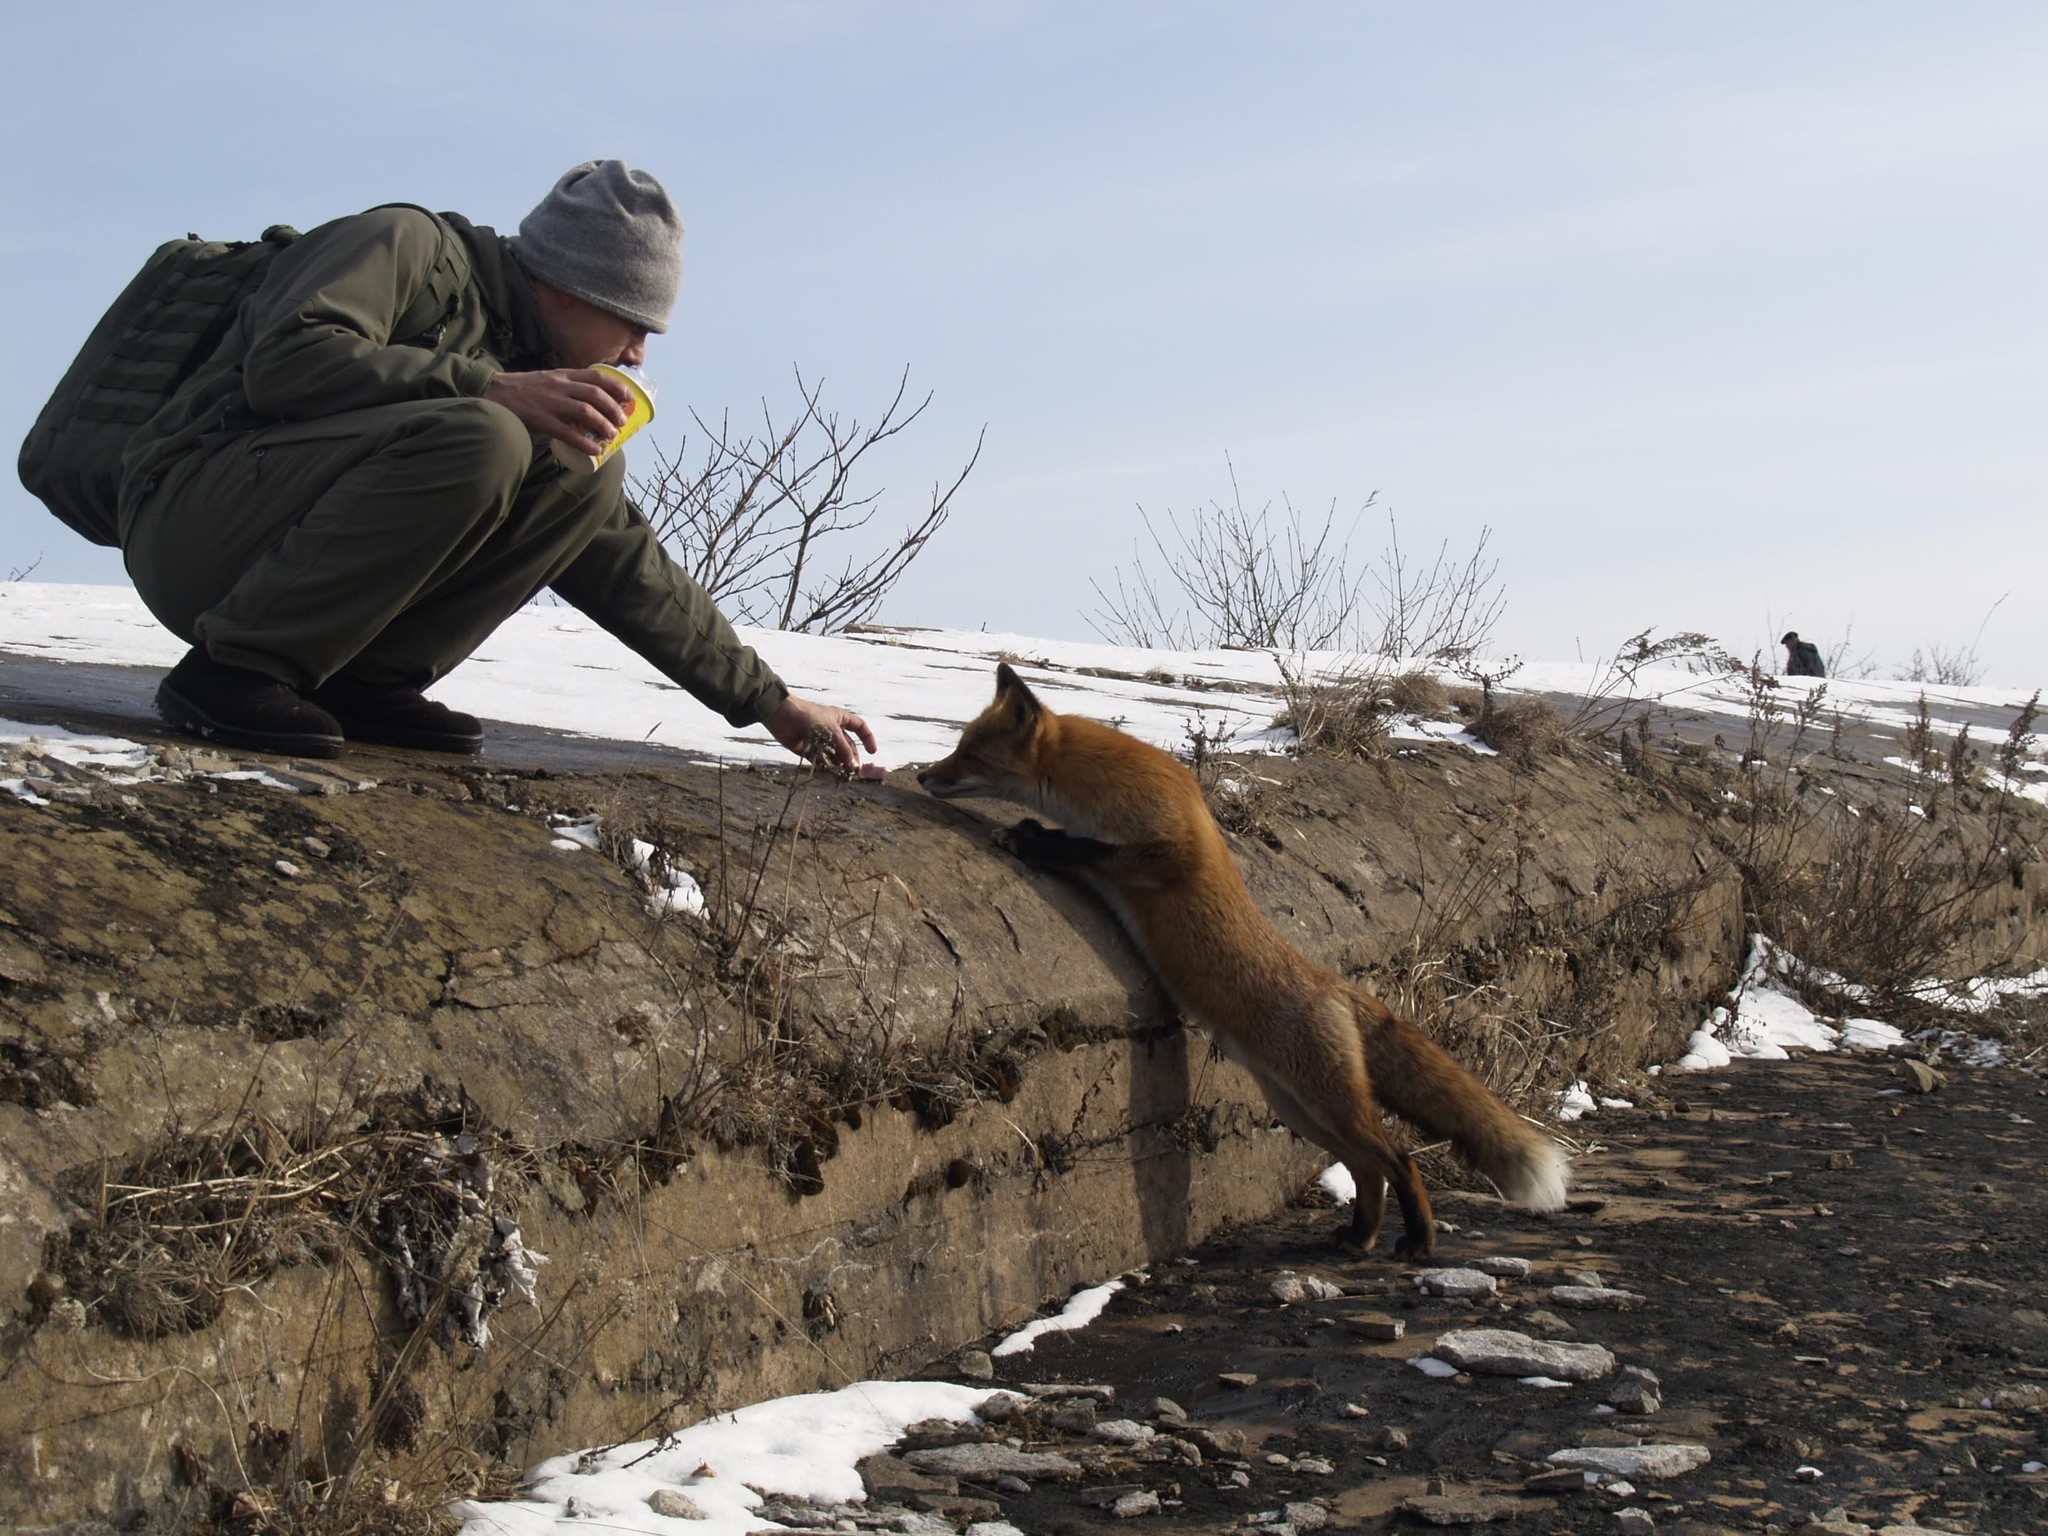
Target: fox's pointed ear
[{"x": 1010, "y": 690}]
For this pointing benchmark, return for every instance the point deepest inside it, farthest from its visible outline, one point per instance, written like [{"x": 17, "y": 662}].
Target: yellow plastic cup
[{"x": 575, "y": 459}]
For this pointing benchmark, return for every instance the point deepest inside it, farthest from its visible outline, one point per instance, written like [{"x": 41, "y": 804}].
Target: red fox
[{"x": 1326, "y": 1053}]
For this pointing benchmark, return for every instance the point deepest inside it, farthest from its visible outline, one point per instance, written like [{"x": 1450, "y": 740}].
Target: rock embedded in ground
[
  {"x": 1000, "y": 1407},
  {"x": 1236, "y": 1381},
  {"x": 1647, "y": 1461},
  {"x": 1634, "y": 1522},
  {"x": 1461, "y": 1508},
  {"x": 975, "y": 1365},
  {"x": 983, "y": 1462},
  {"x": 675, "y": 1504},
  {"x": 1635, "y": 1397},
  {"x": 1289, "y": 1287},
  {"x": 1122, "y": 1431},
  {"x": 1920, "y": 1077},
  {"x": 1595, "y": 1298},
  {"x": 1100, "y": 1391},
  {"x": 1547, "y": 1323},
  {"x": 1223, "y": 1444},
  {"x": 927, "y": 1433},
  {"x": 1455, "y": 1282},
  {"x": 1503, "y": 1352},
  {"x": 1502, "y": 1266},
  {"x": 886, "y": 1476},
  {"x": 992, "y": 1528},
  {"x": 1075, "y": 1418},
  {"x": 1144, "y": 1502},
  {"x": 1378, "y": 1326}
]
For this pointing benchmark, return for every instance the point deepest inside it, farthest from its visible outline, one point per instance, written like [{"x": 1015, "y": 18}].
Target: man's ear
[{"x": 1010, "y": 690}]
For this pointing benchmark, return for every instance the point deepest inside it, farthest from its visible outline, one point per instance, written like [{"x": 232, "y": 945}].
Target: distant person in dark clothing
[{"x": 1802, "y": 657}]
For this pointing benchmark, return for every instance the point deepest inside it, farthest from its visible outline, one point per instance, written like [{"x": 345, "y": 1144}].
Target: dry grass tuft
[
  {"x": 1524, "y": 730},
  {"x": 1419, "y": 694}
]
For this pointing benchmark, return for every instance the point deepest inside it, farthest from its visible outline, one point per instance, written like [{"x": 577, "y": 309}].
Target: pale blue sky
[{"x": 1724, "y": 316}]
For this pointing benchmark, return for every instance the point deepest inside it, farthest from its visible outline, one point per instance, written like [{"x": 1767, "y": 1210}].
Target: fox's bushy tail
[{"x": 1420, "y": 1081}]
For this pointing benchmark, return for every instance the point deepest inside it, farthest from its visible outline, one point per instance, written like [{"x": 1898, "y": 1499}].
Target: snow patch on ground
[
  {"x": 804, "y": 1447},
  {"x": 1764, "y": 1020},
  {"x": 1082, "y": 1308}
]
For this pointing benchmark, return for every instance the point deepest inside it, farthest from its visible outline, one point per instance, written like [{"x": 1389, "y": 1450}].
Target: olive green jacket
[{"x": 317, "y": 339}]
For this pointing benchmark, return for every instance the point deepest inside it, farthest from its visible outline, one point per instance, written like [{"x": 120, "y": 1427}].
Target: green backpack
[{"x": 167, "y": 322}]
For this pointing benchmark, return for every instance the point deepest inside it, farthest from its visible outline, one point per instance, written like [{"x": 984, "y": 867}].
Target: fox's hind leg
[
  {"x": 1368, "y": 1209},
  {"x": 1349, "y": 1130}
]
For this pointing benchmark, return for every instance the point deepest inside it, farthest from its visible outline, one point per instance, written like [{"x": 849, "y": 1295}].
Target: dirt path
[{"x": 1836, "y": 1274}]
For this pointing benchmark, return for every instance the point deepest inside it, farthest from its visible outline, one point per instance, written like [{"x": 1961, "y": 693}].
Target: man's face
[{"x": 583, "y": 334}]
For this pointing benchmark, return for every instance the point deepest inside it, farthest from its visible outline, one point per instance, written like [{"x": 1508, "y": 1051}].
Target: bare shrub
[
  {"x": 1444, "y": 611},
  {"x": 1880, "y": 895},
  {"x": 1954, "y": 666},
  {"x": 1843, "y": 660},
  {"x": 1235, "y": 795},
  {"x": 2013, "y": 753},
  {"x": 1274, "y": 580},
  {"x": 1951, "y": 666},
  {"x": 752, "y": 517},
  {"x": 1343, "y": 716},
  {"x": 1616, "y": 686}
]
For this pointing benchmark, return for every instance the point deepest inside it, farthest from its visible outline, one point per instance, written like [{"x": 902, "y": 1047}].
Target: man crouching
[{"x": 355, "y": 489}]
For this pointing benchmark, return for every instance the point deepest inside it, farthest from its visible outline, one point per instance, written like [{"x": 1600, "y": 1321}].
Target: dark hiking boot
[
  {"x": 240, "y": 708},
  {"x": 392, "y": 715}
]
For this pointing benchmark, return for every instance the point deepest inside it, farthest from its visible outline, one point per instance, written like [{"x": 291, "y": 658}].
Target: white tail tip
[{"x": 1539, "y": 1183}]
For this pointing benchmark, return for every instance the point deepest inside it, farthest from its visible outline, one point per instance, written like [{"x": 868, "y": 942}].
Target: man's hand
[
  {"x": 579, "y": 406},
  {"x": 820, "y": 732}
]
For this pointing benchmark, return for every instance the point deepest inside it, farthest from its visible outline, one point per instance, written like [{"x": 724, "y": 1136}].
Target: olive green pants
[{"x": 386, "y": 542}]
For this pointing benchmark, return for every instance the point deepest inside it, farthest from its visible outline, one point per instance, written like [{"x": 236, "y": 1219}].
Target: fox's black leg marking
[{"x": 1044, "y": 847}]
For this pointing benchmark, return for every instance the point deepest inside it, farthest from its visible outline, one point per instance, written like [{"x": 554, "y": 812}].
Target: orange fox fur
[{"x": 1326, "y": 1053}]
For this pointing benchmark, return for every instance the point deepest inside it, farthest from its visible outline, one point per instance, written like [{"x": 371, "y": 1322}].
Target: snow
[
  {"x": 549, "y": 666},
  {"x": 1082, "y": 1308},
  {"x": 1575, "y": 1101},
  {"x": 1764, "y": 1020},
  {"x": 805, "y": 1447}
]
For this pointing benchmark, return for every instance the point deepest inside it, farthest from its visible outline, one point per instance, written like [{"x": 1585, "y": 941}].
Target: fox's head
[{"x": 998, "y": 750}]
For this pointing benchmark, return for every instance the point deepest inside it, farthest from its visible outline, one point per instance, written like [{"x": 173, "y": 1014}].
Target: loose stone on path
[
  {"x": 1648, "y": 1461},
  {"x": 1503, "y": 1352},
  {"x": 1597, "y": 1298},
  {"x": 1461, "y": 1508},
  {"x": 985, "y": 1462},
  {"x": 1455, "y": 1282}
]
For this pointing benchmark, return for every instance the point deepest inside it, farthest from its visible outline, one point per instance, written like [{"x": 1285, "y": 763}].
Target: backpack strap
[{"x": 426, "y": 318}]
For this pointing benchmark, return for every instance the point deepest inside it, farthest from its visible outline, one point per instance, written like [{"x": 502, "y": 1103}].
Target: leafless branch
[{"x": 750, "y": 517}]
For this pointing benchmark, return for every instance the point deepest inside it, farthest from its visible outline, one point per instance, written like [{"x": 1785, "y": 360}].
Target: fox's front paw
[{"x": 1027, "y": 840}]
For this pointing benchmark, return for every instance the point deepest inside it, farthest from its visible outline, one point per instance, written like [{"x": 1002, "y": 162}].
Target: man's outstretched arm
[{"x": 627, "y": 583}]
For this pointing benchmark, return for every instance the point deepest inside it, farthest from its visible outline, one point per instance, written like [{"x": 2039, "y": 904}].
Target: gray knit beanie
[{"x": 609, "y": 235}]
